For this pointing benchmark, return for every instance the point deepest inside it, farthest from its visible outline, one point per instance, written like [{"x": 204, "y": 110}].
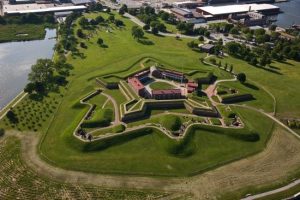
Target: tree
[
  {"x": 234, "y": 31},
  {"x": 12, "y": 117},
  {"x": 253, "y": 61},
  {"x": 201, "y": 38},
  {"x": 192, "y": 44},
  {"x": 230, "y": 68},
  {"x": 207, "y": 34},
  {"x": 80, "y": 33},
  {"x": 241, "y": 77},
  {"x": 137, "y": 32},
  {"x": 111, "y": 18},
  {"x": 99, "y": 19},
  {"x": 233, "y": 48},
  {"x": 42, "y": 71},
  {"x": 2, "y": 20},
  {"x": 146, "y": 27},
  {"x": 119, "y": 23},
  {"x": 201, "y": 60},
  {"x": 154, "y": 30},
  {"x": 100, "y": 41},
  {"x": 29, "y": 88},
  {"x": 123, "y": 9},
  {"x": 83, "y": 22}
]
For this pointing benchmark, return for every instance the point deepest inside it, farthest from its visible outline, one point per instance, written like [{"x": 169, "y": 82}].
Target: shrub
[
  {"x": 119, "y": 128},
  {"x": 231, "y": 115},
  {"x": 171, "y": 122},
  {"x": 213, "y": 60},
  {"x": 241, "y": 77}
]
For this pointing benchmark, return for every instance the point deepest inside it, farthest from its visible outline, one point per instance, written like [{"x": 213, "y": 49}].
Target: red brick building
[
  {"x": 137, "y": 86},
  {"x": 166, "y": 94}
]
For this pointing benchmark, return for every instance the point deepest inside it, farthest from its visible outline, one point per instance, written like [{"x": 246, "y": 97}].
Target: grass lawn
[
  {"x": 19, "y": 181},
  {"x": 123, "y": 52},
  {"x": 206, "y": 149},
  {"x": 201, "y": 150},
  {"x": 161, "y": 86},
  {"x": 19, "y": 32},
  {"x": 281, "y": 79},
  {"x": 261, "y": 98}
]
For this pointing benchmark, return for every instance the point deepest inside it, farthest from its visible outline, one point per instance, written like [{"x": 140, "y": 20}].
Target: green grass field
[
  {"x": 281, "y": 79},
  {"x": 204, "y": 150},
  {"x": 20, "y": 32},
  {"x": 18, "y": 181},
  {"x": 161, "y": 86}
]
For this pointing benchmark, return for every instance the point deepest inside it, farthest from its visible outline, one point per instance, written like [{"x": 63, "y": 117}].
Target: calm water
[
  {"x": 16, "y": 59},
  {"x": 291, "y": 13}
]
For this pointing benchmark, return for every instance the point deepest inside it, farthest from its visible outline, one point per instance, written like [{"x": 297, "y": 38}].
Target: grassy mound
[
  {"x": 101, "y": 118},
  {"x": 170, "y": 122}
]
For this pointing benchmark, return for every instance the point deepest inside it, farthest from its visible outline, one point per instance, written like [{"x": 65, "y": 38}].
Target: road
[{"x": 284, "y": 188}]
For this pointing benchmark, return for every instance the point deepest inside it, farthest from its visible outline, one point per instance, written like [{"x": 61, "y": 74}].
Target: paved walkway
[{"x": 284, "y": 188}]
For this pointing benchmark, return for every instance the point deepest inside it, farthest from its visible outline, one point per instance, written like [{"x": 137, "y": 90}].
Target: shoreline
[{"x": 12, "y": 103}]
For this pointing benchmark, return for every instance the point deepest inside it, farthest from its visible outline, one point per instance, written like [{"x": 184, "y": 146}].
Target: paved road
[{"x": 289, "y": 186}]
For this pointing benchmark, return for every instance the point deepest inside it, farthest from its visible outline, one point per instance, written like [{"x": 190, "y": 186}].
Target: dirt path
[
  {"x": 280, "y": 157},
  {"x": 117, "y": 115}
]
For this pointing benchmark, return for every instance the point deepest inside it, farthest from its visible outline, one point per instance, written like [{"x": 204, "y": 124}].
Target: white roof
[
  {"x": 218, "y": 10},
  {"x": 186, "y": 2},
  {"x": 37, "y": 8}
]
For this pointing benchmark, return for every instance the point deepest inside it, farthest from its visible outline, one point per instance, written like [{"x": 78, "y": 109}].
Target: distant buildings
[
  {"x": 17, "y": 7},
  {"x": 188, "y": 4},
  {"x": 249, "y": 19},
  {"x": 207, "y": 48},
  {"x": 224, "y": 12}
]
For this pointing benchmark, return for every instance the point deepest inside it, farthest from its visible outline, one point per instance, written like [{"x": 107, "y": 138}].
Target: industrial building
[
  {"x": 188, "y": 4},
  {"x": 38, "y": 8},
  {"x": 224, "y": 12},
  {"x": 249, "y": 19}
]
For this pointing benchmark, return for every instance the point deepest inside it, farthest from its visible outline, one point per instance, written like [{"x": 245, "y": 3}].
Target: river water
[
  {"x": 291, "y": 13},
  {"x": 16, "y": 59}
]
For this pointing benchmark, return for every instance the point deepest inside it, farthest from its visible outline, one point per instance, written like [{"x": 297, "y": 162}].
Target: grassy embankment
[
  {"x": 21, "y": 32},
  {"x": 19, "y": 181},
  {"x": 281, "y": 79}
]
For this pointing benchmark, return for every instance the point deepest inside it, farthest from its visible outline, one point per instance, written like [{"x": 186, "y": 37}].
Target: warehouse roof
[
  {"x": 219, "y": 10},
  {"x": 38, "y": 8}
]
